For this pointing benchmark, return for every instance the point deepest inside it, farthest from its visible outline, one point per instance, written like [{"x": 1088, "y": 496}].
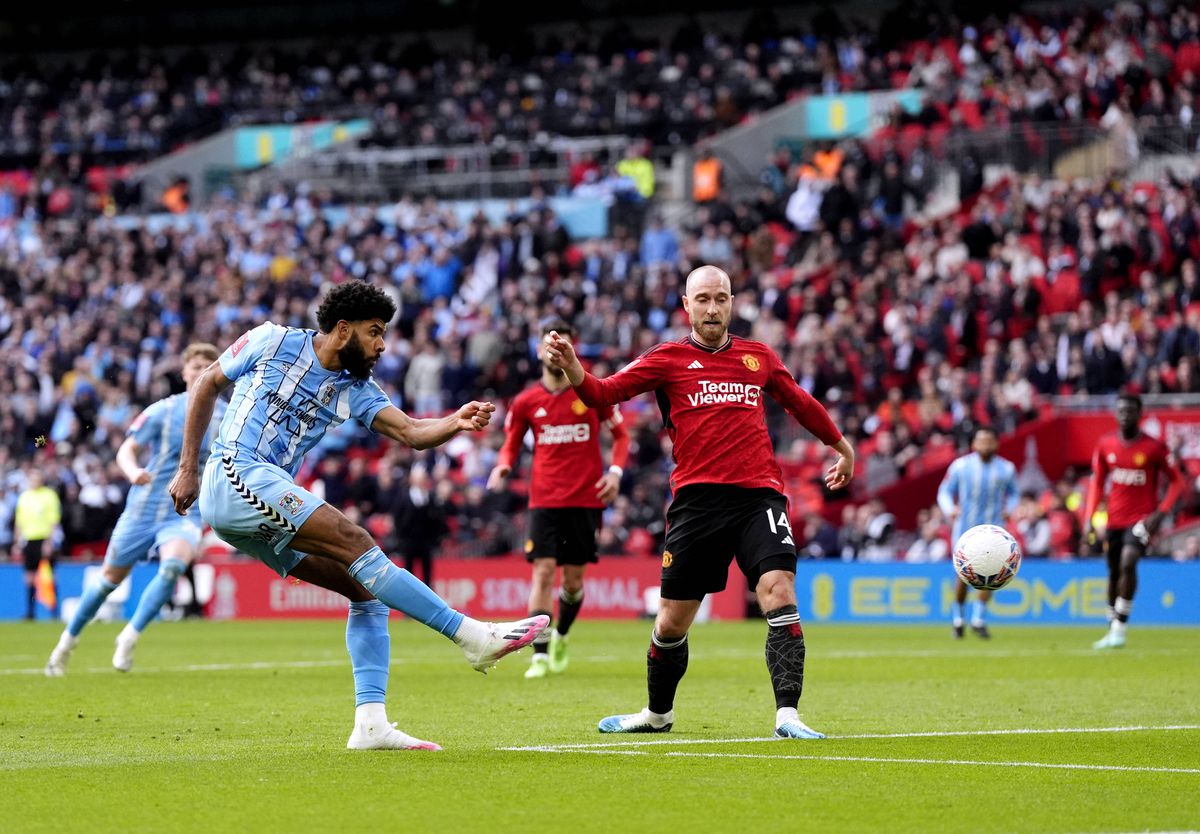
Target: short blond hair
[{"x": 204, "y": 350}]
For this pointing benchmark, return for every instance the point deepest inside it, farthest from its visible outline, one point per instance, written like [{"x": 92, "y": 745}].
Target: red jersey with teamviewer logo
[
  {"x": 1136, "y": 469},
  {"x": 566, "y": 445},
  {"x": 712, "y": 407}
]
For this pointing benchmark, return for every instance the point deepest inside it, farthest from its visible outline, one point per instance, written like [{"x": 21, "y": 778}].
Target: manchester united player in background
[
  {"x": 567, "y": 491},
  {"x": 727, "y": 490},
  {"x": 1137, "y": 465}
]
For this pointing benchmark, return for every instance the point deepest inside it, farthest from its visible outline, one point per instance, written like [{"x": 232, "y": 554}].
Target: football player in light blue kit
[
  {"x": 147, "y": 526},
  {"x": 979, "y": 488},
  {"x": 292, "y": 386}
]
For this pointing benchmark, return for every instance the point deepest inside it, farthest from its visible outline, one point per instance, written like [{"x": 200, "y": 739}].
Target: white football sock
[{"x": 784, "y": 715}]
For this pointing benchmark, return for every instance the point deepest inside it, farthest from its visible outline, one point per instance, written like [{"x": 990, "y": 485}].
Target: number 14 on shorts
[{"x": 780, "y": 523}]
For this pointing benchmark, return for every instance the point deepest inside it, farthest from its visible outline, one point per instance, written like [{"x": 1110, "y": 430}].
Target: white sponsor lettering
[
  {"x": 713, "y": 393},
  {"x": 1129, "y": 477},
  {"x": 458, "y": 593},
  {"x": 284, "y": 596},
  {"x": 574, "y": 433}
]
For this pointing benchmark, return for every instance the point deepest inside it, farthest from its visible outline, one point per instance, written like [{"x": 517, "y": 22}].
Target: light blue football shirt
[
  {"x": 284, "y": 400},
  {"x": 159, "y": 430},
  {"x": 983, "y": 492}
]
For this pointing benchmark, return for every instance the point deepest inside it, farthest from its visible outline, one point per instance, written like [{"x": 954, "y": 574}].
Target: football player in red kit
[
  {"x": 569, "y": 487},
  {"x": 1134, "y": 465},
  {"x": 727, "y": 490}
]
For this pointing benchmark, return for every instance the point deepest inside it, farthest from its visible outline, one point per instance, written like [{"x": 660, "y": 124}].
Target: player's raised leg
[
  {"x": 666, "y": 663},
  {"x": 541, "y": 589},
  {"x": 326, "y": 532},
  {"x": 785, "y": 652},
  {"x": 570, "y": 600}
]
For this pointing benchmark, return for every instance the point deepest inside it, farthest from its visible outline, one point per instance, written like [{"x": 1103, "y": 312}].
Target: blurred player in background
[
  {"x": 1135, "y": 466},
  {"x": 147, "y": 527},
  {"x": 979, "y": 488},
  {"x": 727, "y": 490},
  {"x": 568, "y": 488},
  {"x": 35, "y": 521},
  {"x": 292, "y": 386}
]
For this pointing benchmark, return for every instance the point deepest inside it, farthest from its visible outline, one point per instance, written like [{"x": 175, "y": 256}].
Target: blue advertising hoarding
[
  {"x": 1043, "y": 592},
  {"x": 837, "y": 592}
]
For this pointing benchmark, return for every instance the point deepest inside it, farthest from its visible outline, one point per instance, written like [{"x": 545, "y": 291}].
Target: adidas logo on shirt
[
  {"x": 695, "y": 364},
  {"x": 541, "y": 412}
]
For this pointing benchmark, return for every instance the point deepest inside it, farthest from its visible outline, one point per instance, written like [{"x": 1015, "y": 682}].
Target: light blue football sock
[
  {"x": 397, "y": 588},
  {"x": 89, "y": 604},
  {"x": 369, "y": 644},
  {"x": 978, "y": 609},
  {"x": 160, "y": 589}
]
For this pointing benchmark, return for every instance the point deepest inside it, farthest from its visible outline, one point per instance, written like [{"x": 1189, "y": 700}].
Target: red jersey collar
[{"x": 728, "y": 344}]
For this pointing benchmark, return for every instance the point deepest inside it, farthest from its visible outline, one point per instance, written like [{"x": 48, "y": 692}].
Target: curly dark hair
[{"x": 354, "y": 301}]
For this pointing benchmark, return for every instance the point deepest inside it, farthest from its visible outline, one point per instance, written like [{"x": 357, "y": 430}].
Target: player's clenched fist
[
  {"x": 474, "y": 416},
  {"x": 560, "y": 353}
]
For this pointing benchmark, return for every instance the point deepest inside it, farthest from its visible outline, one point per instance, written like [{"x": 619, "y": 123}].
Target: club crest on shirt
[
  {"x": 529, "y": 545},
  {"x": 291, "y": 502},
  {"x": 668, "y": 558},
  {"x": 578, "y": 407},
  {"x": 1139, "y": 459},
  {"x": 327, "y": 394},
  {"x": 751, "y": 362}
]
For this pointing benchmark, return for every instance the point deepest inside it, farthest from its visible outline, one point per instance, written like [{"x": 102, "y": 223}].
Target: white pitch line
[
  {"x": 594, "y": 745},
  {"x": 201, "y": 667},
  {"x": 967, "y": 762}
]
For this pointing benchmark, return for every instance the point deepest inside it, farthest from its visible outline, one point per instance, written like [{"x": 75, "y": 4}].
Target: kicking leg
[
  {"x": 776, "y": 591},
  {"x": 93, "y": 597},
  {"x": 541, "y": 588},
  {"x": 666, "y": 663},
  {"x": 330, "y": 534},
  {"x": 369, "y": 646}
]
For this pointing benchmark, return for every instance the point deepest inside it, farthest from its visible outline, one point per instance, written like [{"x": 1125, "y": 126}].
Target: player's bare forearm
[
  {"x": 201, "y": 402},
  {"x": 128, "y": 463},
  {"x": 428, "y": 432}
]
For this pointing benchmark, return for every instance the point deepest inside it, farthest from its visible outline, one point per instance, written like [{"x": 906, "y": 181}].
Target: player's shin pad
[
  {"x": 785, "y": 655},
  {"x": 666, "y": 663}
]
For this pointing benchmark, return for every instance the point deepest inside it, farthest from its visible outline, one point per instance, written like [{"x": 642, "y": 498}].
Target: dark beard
[
  {"x": 354, "y": 360},
  {"x": 555, "y": 372}
]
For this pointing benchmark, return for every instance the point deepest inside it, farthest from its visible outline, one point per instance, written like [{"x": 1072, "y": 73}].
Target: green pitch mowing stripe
[{"x": 242, "y": 727}]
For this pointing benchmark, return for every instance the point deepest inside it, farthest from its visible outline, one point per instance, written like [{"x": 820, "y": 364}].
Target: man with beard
[
  {"x": 728, "y": 499},
  {"x": 567, "y": 491},
  {"x": 292, "y": 386}
]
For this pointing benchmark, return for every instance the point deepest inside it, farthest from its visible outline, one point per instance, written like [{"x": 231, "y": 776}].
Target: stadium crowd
[
  {"x": 911, "y": 332},
  {"x": 911, "y": 337},
  {"x": 66, "y": 119}
]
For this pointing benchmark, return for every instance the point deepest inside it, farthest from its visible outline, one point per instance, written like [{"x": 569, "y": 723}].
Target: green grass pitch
[{"x": 242, "y": 727}]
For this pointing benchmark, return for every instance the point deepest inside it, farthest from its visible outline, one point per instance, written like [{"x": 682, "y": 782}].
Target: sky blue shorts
[
  {"x": 135, "y": 539},
  {"x": 256, "y": 508}
]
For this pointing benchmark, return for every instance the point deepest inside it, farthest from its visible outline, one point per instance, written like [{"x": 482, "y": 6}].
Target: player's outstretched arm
[
  {"x": 185, "y": 486},
  {"x": 432, "y": 431}
]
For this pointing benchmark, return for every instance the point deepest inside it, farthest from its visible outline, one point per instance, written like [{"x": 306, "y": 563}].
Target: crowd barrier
[{"x": 624, "y": 588}]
